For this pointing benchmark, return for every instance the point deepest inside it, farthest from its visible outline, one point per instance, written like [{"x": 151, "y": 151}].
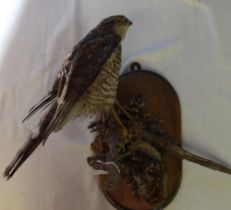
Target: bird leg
[
  {"x": 134, "y": 125},
  {"x": 125, "y": 132},
  {"x": 124, "y": 129},
  {"x": 137, "y": 127}
]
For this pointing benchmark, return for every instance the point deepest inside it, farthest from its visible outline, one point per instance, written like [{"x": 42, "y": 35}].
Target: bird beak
[{"x": 130, "y": 23}]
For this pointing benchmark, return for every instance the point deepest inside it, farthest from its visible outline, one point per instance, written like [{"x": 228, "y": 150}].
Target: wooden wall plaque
[{"x": 162, "y": 103}]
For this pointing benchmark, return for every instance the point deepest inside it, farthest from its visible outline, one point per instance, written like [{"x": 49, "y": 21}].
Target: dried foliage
[{"x": 143, "y": 174}]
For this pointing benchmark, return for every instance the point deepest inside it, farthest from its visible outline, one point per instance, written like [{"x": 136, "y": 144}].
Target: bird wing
[
  {"x": 86, "y": 56},
  {"x": 44, "y": 102},
  {"x": 51, "y": 96},
  {"x": 79, "y": 74}
]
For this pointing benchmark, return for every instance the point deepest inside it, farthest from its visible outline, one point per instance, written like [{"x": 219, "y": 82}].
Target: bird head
[{"x": 118, "y": 23}]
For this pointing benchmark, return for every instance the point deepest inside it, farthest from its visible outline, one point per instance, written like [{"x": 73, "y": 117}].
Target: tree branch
[{"x": 167, "y": 145}]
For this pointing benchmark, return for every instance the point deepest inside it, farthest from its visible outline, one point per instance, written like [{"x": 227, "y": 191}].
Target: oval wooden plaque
[{"x": 161, "y": 101}]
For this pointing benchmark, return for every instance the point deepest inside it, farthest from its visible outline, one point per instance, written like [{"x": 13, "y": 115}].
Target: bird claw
[
  {"x": 125, "y": 134},
  {"x": 121, "y": 147}
]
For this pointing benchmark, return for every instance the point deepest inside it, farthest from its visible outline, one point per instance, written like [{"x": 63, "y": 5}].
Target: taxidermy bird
[{"x": 86, "y": 84}]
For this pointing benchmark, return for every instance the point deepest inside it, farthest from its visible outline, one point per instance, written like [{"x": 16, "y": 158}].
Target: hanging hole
[{"x": 135, "y": 66}]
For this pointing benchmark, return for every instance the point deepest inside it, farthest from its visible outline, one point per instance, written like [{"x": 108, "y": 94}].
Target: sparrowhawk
[{"x": 85, "y": 85}]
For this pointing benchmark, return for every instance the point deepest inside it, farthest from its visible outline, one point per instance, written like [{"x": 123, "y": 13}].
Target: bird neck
[{"x": 121, "y": 31}]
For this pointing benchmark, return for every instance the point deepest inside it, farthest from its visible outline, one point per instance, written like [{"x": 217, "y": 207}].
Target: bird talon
[
  {"x": 121, "y": 147},
  {"x": 125, "y": 134}
]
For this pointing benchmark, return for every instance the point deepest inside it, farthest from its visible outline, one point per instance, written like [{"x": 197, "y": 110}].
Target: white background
[{"x": 186, "y": 41}]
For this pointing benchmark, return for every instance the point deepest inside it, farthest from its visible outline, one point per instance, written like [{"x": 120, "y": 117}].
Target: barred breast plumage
[{"x": 101, "y": 94}]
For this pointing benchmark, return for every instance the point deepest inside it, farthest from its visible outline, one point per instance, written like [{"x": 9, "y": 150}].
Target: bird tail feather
[
  {"x": 31, "y": 144},
  {"x": 26, "y": 150}
]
